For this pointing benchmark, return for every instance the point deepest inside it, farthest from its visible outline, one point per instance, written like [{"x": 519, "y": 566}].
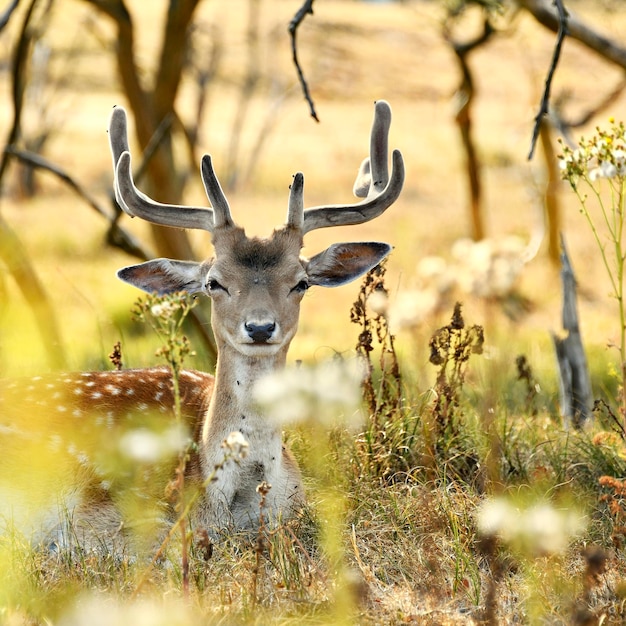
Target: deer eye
[
  {"x": 301, "y": 287},
  {"x": 213, "y": 286}
]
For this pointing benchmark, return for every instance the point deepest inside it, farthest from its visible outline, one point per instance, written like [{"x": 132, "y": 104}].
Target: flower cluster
[
  {"x": 323, "y": 393},
  {"x": 537, "y": 530},
  {"x": 489, "y": 268},
  {"x": 602, "y": 156}
]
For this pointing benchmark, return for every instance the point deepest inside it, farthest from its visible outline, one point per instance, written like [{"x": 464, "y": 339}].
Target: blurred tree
[
  {"x": 153, "y": 109},
  {"x": 153, "y": 105},
  {"x": 12, "y": 252}
]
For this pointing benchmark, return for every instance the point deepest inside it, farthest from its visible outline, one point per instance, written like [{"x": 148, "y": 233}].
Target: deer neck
[{"x": 232, "y": 407}]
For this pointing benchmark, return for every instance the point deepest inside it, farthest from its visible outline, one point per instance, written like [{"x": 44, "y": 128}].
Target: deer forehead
[{"x": 250, "y": 261}]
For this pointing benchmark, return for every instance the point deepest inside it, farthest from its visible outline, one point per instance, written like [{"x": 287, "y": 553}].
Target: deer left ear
[
  {"x": 164, "y": 276},
  {"x": 343, "y": 262}
]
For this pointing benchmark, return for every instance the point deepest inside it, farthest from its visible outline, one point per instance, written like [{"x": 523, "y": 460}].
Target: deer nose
[{"x": 260, "y": 333}]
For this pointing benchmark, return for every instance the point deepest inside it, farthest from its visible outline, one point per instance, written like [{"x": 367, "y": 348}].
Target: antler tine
[
  {"x": 373, "y": 182},
  {"x": 295, "y": 213},
  {"x": 118, "y": 134},
  {"x": 213, "y": 189},
  {"x": 137, "y": 204}
]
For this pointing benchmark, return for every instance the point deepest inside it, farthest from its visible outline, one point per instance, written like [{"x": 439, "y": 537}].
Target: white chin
[{"x": 258, "y": 349}]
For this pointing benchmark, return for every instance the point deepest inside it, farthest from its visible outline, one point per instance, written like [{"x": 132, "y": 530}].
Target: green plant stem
[
  {"x": 614, "y": 222},
  {"x": 619, "y": 254},
  {"x": 178, "y": 524}
]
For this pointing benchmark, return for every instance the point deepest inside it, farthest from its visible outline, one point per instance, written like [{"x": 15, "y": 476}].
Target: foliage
[
  {"x": 596, "y": 166},
  {"x": 398, "y": 506}
]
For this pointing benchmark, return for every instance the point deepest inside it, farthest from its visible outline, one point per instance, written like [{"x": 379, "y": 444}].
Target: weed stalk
[
  {"x": 597, "y": 163},
  {"x": 166, "y": 315}
]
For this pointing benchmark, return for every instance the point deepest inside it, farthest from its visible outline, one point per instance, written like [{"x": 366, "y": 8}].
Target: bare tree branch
[
  {"x": 564, "y": 125},
  {"x": 298, "y": 18},
  {"x": 18, "y": 71},
  {"x": 116, "y": 235},
  {"x": 6, "y": 15},
  {"x": 12, "y": 251},
  {"x": 464, "y": 97},
  {"x": 543, "y": 12},
  {"x": 575, "y": 384},
  {"x": 545, "y": 100}
]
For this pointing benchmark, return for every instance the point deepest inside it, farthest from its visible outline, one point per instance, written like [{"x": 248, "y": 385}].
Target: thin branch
[
  {"x": 158, "y": 137},
  {"x": 464, "y": 97},
  {"x": 116, "y": 235},
  {"x": 6, "y": 16},
  {"x": 564, "y": 125},
  {"x": 298, "y": 18},
  {"x": 545, "y": 100},
  {"x": 18, "y": 71},
  {"x": 609, "y": 50}
]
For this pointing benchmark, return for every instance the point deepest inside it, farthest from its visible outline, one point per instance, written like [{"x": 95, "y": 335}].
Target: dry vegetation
[{"x": 410, "y": 485}]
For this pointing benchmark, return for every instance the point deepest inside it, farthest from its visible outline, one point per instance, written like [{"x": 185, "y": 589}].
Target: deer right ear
[
  {"x": 163, "y": 276},
  {"x": 343, "y": 262}
]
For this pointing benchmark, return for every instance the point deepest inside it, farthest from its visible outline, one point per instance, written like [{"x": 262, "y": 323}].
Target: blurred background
[{"x": 464, "y": 79}]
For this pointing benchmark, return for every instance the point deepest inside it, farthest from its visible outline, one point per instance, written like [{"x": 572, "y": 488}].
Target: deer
[{"x": 256, "y": 286}]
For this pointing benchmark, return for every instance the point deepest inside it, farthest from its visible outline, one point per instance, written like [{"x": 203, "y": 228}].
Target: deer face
[{"x": 257, "y": 284}]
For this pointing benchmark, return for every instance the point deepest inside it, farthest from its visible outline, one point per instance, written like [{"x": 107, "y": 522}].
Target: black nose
[{"x": 260, "y": 333}]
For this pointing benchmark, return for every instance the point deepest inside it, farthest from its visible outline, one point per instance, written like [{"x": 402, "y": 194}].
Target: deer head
[{"x": 257, "y": 284}]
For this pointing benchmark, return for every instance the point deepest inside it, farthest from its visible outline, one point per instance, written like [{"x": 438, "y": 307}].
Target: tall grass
[{"x": 439, "y": 508}]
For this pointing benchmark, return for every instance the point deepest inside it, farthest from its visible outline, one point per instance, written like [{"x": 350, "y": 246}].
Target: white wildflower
[
  {"x": 412, "y": 308},
  {"x": 605, "y": 169},
  {"x": 163, "y": 309},
  {"x": 96, "y": 610},
  {"x": 323, "y": 393},
  {"x": 540, "y": 529},
  {"x": 433, "y": 271},
  {"x": 489, "y": 267},
  {"x": 378, "y": 302},
  {"x": 237, "y": 444},
  {"x": 149, "y": 446}
]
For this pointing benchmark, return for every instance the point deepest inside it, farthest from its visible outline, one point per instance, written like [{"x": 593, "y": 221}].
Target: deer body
[{"x": 256, "y": 286}]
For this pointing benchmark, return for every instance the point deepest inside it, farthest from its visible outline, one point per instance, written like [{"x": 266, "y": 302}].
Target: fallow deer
[{"x": 256, "y": 286}]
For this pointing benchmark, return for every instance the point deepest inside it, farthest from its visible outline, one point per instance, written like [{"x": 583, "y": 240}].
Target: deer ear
[
  {"x": 164, "y": 276},
  {"x": 343, "y": 262}
]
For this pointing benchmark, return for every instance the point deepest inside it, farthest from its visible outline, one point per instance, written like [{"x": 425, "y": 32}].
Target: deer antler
[
  {"x": 373, "y": 183},
  {"x": 137, "y": 204}
]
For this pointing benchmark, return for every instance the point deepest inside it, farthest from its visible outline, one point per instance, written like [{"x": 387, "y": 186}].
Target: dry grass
[{"x": 410, "y": 543}]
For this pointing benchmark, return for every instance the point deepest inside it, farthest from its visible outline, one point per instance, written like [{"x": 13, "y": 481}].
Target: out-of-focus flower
[
  {"x": 490, "y": 267},
  {"x": 378, "y": 302},
  {"x": 435, "y": 272},
  {"x": 412, "y": 307},
  {"x": 540, "y": 529},
  {"x": 326, "y": 393},
  {"x": 104, "y": 611},
  {"x": 164, "y": 309},
  {"x": 150, "y": 446},
  {"x": 237, "y": 445},
  {"x": 604, "y": 170}
]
